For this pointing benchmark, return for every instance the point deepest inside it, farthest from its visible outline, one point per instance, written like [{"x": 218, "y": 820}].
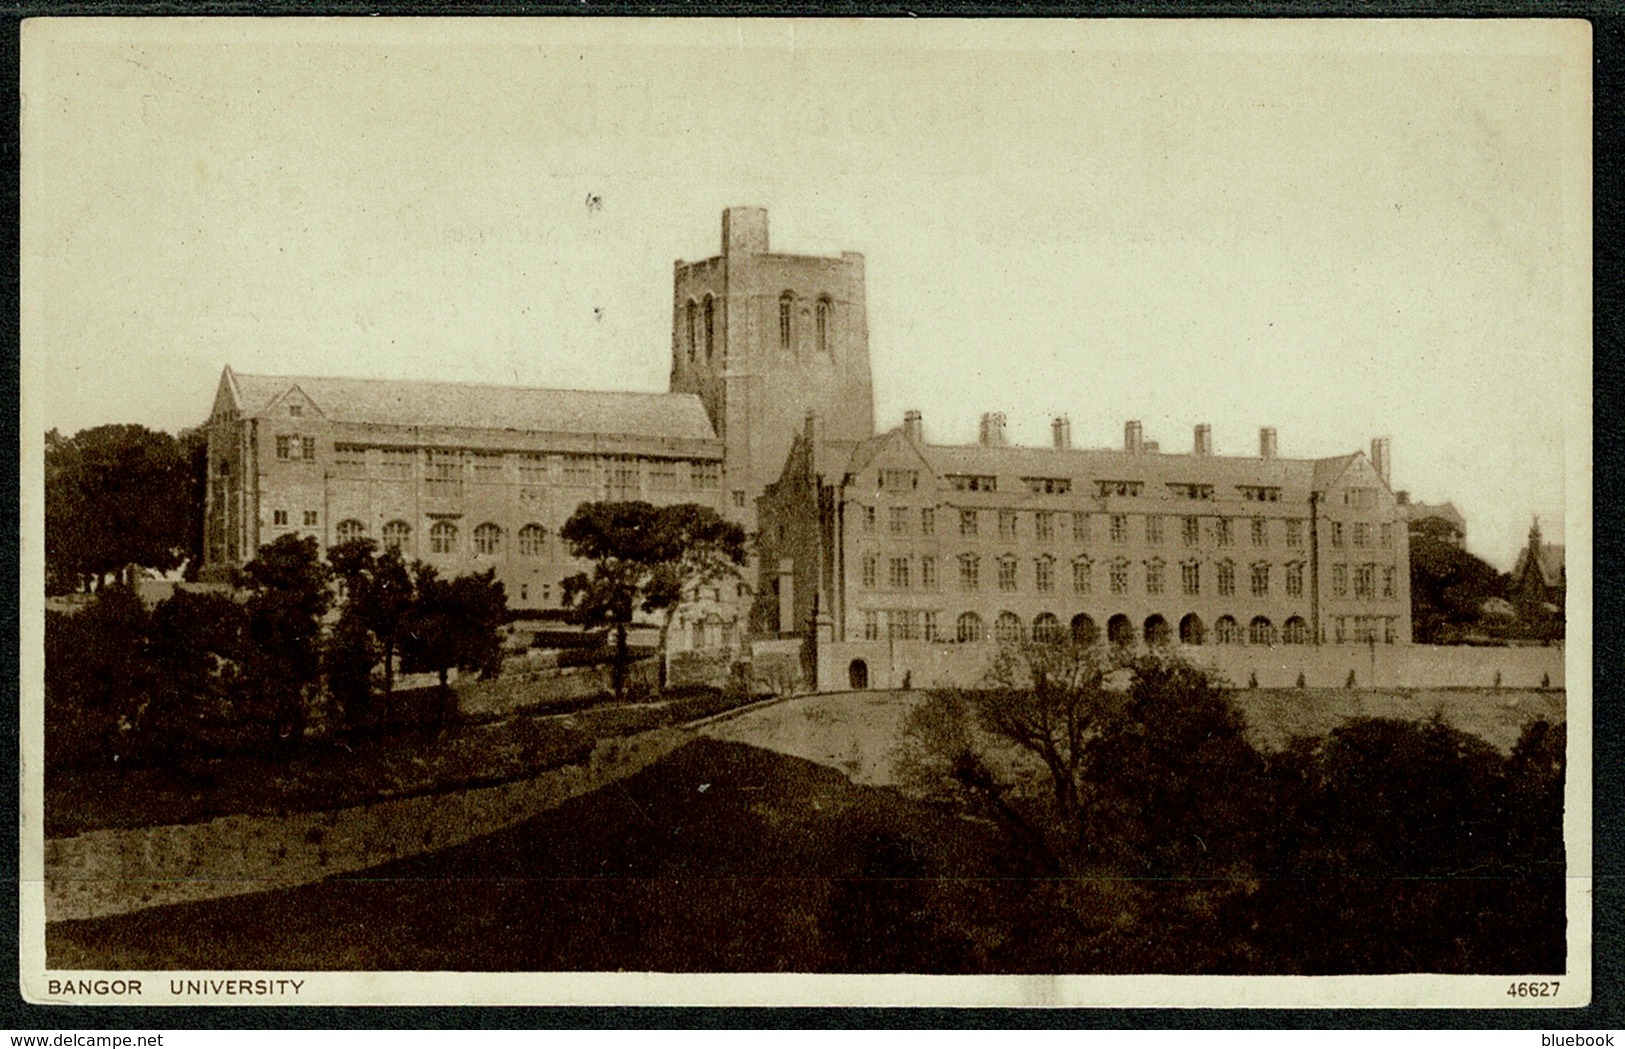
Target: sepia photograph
[{"x": 795, "y": 512}]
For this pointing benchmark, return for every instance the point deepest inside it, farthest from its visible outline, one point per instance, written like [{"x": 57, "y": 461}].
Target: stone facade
[
  {"x": 464, "y": 477},
  {"x": 892, "y": 545},
  {"x": 867, "y": 544}
]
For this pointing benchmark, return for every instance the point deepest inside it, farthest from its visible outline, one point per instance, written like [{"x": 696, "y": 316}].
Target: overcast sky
[{"x": 1339, "y": 230}]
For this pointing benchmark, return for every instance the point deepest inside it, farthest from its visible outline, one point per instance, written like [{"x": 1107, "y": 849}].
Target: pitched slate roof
[
  {"x": 390, "y": 402},
  {"x": 1296, "y": 477}
]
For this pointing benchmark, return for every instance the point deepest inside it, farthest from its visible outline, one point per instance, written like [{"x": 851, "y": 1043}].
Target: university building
[
  {"x": 883, "y": 554},
  {"x": 891, "y": 553}
]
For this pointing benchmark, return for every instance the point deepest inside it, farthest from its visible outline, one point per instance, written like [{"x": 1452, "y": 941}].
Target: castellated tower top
[{"x": 744, "y": 230}]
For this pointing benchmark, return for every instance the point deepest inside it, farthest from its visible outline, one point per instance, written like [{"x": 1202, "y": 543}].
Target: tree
[
  {"x": 624, "y": 543},
  {"x": 98, "y": 676},
  {"x": 706, "y": 551},
  {"x": 455, "y": 623},
  {"x": 115, "y": 496},
  {"x": 200, "y": 646},
  {"x": 1401, "y": 846},
  {"x": 289, "y": 593},
  {"x": 1048, "y": 702},
  {"x": 379, "y": 593},
  {"x": 645, "y": 558},
  {"x": 193, "y": 447},
  {"x": 1449, "y": 586}
]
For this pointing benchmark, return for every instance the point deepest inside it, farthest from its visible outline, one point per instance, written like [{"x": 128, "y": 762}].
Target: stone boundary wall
[
  {"x": 116, "y": 871},
  {"x": 930, "y": 665}
]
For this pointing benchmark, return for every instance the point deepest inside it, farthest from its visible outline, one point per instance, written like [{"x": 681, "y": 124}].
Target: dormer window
[
  {"x": 296, "y": 409},
  {"x": 1191, "y": 491},
  {"x": 973, "y": 482},
  {"x": 1048, "y": 485},
  {"x": 1259, "y": 493},
  {"x": 1123, "y": 488}
]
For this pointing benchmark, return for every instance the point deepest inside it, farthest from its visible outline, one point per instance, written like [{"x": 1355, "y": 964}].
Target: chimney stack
[
  {"x": 1204, "y": 439},
  {"x": 1133, "y": 437},
  {"x": 1403, "y": 498},
  {"x": 993, "y": 429},
  {"x": 1380, "y": 455},
  {"x": 1266, "y": 442},
  {"x": 913, "y": 426},
  {"x": 1060, "y": 429},
  {"x": 1153, "y": 446}
]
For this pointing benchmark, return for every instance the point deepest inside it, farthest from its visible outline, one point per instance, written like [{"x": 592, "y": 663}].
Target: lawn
[
  {"x": 718, "y": 858},
  {"x": 359, "y": 769}
]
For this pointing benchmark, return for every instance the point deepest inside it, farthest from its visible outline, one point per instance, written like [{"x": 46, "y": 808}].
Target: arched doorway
[
  {"x": 1084, "y": 630},
  {"x": 1191, "y": 630},
  {"x": 857, "y": 674},
  {"x": 1156, "y": 630},
  {"x": 1119, "y": 631}
]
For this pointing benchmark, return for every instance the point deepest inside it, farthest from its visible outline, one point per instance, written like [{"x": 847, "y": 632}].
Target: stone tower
[{"x": 764, "y": 339}]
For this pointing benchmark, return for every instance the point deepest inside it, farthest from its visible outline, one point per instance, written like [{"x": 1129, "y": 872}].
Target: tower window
[
  {"x": 787, "y": 305},
  {"x": 693, "y": 311},
  {"x": 823, "y": 325},
  {"x": 710, "y": 327}
]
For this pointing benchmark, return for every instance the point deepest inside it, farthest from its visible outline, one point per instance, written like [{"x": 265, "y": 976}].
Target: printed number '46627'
[{"x": 1541, "y": 989}]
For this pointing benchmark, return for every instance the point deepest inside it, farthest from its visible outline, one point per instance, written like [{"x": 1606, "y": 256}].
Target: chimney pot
[
  {"x": 993, "y": 429},
  {"x": 1060, "y": 429},
  {"x": 913, "y": 426},
  {"x": 1380, "y": 454}
]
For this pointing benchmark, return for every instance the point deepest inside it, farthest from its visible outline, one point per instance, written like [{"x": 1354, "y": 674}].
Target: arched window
[
  {"x": 823, "y": 316},
  {"x": 443, "y": 538},
  {"x": 488, "y": 539},
  {"x": 1084, "y": 630},
  {"x": 710, "y": 327},
  {"x": 1048, "y": 629},
  {"x": 1007, "y": 627},
  {"x": 351, "y": 529},
  {"x": 396, "y": 534},
  {"x": 1156, "y": 630},
  {"x": 693, "y": 312},
  {"x": 970, "y": 627},
  {"x": 1296, "y": 631},
  {"x": 1119, "y": 630},
  {"x": 1191, "y": 630},
  {"x": 1261, "y": 631},
  {"x": 1228, "y": 631},
  {"x": 787, "y": 308},
  {"x": 532, "y": 540}
]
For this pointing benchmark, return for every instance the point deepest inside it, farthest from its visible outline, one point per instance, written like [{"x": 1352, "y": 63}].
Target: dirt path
[{"x": 115, "y": 871}]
